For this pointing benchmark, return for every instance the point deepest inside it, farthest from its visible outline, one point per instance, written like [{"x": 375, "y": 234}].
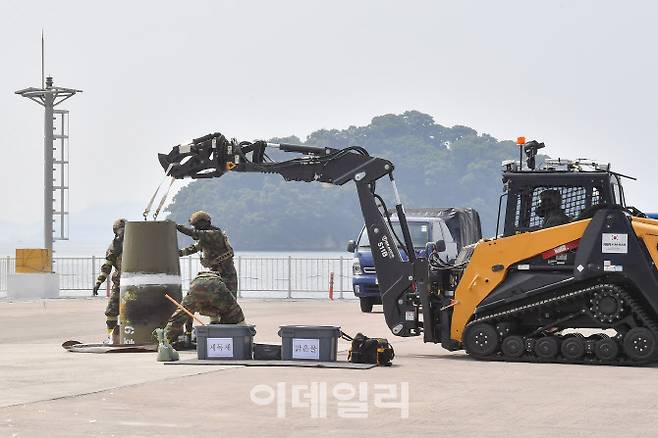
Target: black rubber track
[{"x": 636, "y": 310}]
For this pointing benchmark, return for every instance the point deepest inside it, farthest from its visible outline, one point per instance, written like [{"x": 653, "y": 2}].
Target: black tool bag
[
  {"x": 369, "y": 350},
  {"x": 267, "y": 352}
]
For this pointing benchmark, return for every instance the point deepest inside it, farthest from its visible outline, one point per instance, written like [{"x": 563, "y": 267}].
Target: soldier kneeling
[{"x": 209, "y": 296}]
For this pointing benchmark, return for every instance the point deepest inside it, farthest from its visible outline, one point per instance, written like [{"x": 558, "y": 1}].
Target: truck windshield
[{"x": 420, "y": 234}]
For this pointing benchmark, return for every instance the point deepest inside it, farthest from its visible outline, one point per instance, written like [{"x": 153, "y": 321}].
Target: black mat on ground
[
  {"x": 276, "y": 363},
  {"x": 78, "y": 347}
]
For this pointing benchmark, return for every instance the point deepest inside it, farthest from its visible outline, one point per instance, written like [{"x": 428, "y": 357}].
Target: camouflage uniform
[
  {"x": 208, "y": 296},
  {"x": 216, "y": 253},
  {"x": 112, "y": 260}
]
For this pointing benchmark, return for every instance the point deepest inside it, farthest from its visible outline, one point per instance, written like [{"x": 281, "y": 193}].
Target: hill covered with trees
[{"x": 436, "y": 166}]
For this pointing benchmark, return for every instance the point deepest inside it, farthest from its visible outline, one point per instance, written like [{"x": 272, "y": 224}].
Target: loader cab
[{"x": 578, "y": 192}]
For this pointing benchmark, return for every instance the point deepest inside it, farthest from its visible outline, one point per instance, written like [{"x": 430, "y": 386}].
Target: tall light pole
[{"x": 49, "y": 97}]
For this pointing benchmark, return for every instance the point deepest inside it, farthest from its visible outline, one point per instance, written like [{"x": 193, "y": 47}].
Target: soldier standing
[
  {"x": 216, "y": 251},
  {"x": 112, "y": 260}
]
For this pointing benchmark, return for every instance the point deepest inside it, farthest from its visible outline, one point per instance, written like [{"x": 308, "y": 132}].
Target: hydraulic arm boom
[{"x": 213, "y": 155}]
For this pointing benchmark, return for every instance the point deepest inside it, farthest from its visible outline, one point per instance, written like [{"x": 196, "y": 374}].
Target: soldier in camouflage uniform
[
  {"x": 209, "y": 296},
  {"x": 112, "y": 260},
  {"x": 216, "y": 250},
  {"x": 216, "y": 255}
]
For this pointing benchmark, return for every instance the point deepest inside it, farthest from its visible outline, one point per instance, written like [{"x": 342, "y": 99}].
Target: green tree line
[{"x": 435, "y": 166}]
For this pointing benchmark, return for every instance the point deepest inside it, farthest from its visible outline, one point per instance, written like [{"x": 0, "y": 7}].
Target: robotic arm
[
  {"x": 213, "y": 155},
  {"x": 403, "y": 284}
]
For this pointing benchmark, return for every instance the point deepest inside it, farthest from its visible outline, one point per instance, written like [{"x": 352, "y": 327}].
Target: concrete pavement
[{"x": 46, "y": 391}]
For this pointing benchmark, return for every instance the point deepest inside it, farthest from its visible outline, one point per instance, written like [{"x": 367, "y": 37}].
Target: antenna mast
[
  {"x": 43, "y": 68},
  {"x": 55, "y": 160}
]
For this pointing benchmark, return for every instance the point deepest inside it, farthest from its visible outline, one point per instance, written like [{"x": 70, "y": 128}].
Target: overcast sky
[{"x": 578, "y": 75}]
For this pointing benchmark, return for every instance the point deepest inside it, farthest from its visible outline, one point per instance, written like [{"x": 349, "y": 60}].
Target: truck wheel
[{"x": 366, "y": 305}]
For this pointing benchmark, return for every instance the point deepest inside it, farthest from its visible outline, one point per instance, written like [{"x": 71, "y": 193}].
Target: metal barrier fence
[{"x": 259, "y": 277}]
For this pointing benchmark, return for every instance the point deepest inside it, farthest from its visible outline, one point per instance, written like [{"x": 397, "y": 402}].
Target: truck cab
[{"x": 455, "y": 227}]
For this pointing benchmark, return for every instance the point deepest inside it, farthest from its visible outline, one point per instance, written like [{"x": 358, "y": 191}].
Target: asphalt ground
[{"x": 48, "y": 392}]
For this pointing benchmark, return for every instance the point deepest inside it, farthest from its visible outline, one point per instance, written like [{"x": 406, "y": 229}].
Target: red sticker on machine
[{"x": 569, "y": 246}]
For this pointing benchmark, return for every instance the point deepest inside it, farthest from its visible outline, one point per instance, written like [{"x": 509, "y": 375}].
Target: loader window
[{"x": 574, "y": 199}]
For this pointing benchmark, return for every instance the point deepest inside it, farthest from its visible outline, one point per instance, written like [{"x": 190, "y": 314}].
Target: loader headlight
[{"x": 356, "y": 267}]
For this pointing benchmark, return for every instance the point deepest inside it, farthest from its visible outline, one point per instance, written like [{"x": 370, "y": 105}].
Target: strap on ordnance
[
  {"x": 164, "y": 197},
  {"x": 147, "y": 210}
]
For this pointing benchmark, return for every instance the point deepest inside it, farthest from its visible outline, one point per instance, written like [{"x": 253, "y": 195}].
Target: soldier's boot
[
  {"x": 175, "y": 329},
  {"x": 189, "y": 324},
  {"x": 112, "y": 332},
  {"x": 188, "y": 340},
  {"x": 116, "y": 339}
]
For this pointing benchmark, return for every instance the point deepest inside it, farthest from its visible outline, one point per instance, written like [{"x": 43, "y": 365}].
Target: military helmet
[
  {"x": 118, "y": 224},
  {"x": 199, "y": 216}
]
